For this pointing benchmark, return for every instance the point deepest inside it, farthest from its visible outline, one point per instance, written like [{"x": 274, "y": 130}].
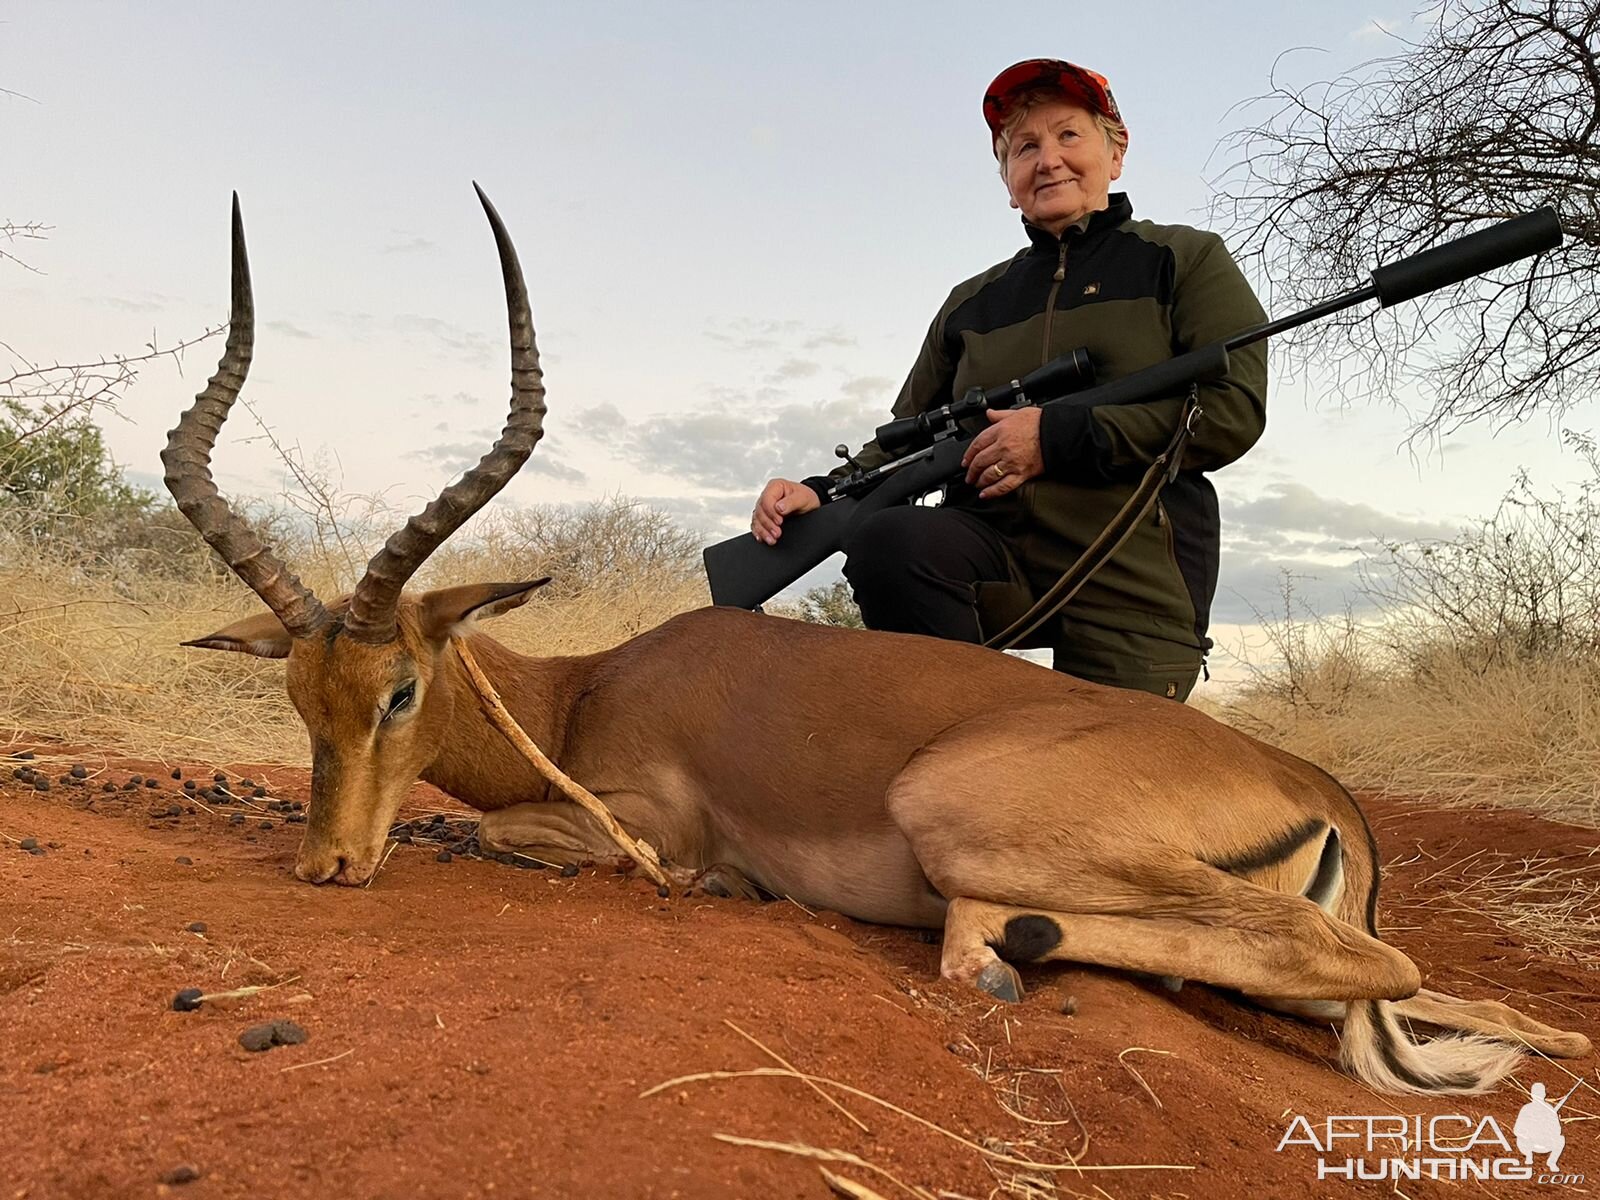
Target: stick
[
  {"x": 992, "y": 1155},
  {"x": 319, "y": 1062},
  {"x": 641, "y": 852},
  {"x": 783, "y": 1062}
]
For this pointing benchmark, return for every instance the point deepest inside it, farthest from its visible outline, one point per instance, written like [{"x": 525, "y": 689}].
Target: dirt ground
[{"x": 477, "y": 1030}]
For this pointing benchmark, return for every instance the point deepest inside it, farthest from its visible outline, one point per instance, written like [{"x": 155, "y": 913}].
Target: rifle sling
[{"x": 1111, "y": 538}]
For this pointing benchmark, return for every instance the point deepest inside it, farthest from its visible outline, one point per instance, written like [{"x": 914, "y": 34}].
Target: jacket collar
[{"x": 1119, "y": 210}]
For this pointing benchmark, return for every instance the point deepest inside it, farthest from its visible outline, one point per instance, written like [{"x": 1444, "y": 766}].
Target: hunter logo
[
  {"x": 1091, "y": 288},
  {"x": 1454, "y": 1147}
]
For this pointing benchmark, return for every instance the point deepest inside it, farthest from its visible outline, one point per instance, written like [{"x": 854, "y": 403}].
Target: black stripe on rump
[{"x": 1272, "y": 852}]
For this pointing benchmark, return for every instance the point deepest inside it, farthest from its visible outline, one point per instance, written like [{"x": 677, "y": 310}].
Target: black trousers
[{"x": 913, "y": 569}]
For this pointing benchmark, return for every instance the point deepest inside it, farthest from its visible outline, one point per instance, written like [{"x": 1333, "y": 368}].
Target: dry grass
[
  {"x": 1477, "y": 677},
  {"x": 1551, "y": 905},
  {"x": 89, "y": 646},
  {"x": 1524, "y": 734}
]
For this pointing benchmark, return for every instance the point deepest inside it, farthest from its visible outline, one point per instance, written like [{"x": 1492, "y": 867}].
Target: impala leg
[
  {"x": 1302, "y": 954},
  {"x": 1492, "y": 1019},
  {"x": 555, "y": 832},
  {"x": 1488, "y": 1018},
  {"x": 560, "y": 833}
]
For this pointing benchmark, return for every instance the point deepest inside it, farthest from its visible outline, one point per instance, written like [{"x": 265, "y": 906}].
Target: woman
[{"x": 1042, "y": 482}]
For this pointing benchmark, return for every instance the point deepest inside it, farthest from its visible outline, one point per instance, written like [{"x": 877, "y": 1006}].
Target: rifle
[{"x": 745, "y": 573}]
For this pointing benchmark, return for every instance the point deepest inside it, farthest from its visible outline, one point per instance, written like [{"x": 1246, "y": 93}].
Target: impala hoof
[
  {"x": 1001, "y": 981},
  {"x": 730, "y": 883}
]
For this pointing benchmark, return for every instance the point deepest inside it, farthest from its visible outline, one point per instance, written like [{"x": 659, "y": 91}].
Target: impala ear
[
  {"x": 263, "y": 636},
  {"x": 448, "y": 611}
]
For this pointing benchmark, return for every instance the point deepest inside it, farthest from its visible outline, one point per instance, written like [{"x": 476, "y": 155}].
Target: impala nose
[
  {"x": 319, "y": 869},
  {"x": 352, "y": 874}
]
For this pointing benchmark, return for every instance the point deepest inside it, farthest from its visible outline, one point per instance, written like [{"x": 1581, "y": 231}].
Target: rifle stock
[{"x": 745, "y": 573}]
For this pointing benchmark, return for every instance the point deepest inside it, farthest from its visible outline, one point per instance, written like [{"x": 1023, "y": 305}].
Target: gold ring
[{"x": 999, "y": 472}]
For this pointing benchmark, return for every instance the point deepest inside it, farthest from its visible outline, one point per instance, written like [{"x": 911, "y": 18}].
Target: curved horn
[
  {"x": 372, "y": 608},
  {"x": 187, "y": 460}
]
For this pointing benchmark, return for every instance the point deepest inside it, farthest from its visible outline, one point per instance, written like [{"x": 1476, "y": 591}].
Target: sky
[{"x": 736, "y": 221}]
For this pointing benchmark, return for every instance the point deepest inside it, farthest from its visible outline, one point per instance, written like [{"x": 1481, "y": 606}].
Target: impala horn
[
  {"x": 372, "y": 608},
  {"x": 371, "y": 616},
  {"x": 187, "y": 460}
]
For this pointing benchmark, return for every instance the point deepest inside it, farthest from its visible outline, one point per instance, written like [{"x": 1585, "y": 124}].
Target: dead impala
[{"x": 1029, "y": 815}]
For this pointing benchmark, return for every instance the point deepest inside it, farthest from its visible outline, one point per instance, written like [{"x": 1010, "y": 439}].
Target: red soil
[{"x": 481, "y": 1031}]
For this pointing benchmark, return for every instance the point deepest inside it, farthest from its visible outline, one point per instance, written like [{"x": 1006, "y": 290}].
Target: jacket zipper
[
  {"x": 1050, "y": 305},
  {"x": 1028, "y": 493}
]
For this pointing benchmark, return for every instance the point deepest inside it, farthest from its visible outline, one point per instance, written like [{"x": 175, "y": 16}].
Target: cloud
[
  {"x": 738, "y": 447},
  {"x": 1293, "y": 506},
  {"x": 457, "y": 457},
  {"x": 831, "y": 337},
  {"x": 599, "y": 421},
  {"x": 453, "y": 456},
  {"x": 1322, "y": 544},
  {"x": 1377, "y": 27},
  {"x": 749, "y": 335},
  {"x": 151, "y": 302},
  {"x": 449, "y": 408},
  {"x": 411, "y": 245},
  {"x": 723, "y": 452},
  {"x": 1250, "y": 588},
  {"x": 453, "y": 339},
  {"x": 872, "y": 389},
  {"x": 714, "y": 516},
  {"x": 793, "y": 368},
  {"x": 542, "y": 463},
  {"x": 288, "y": 329}
]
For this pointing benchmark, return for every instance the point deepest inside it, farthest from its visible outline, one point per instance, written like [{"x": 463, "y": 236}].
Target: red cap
[{"x": 1087, "y": 87}]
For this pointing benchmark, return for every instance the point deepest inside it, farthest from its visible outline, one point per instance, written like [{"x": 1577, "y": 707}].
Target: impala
[{"x": 893, "y": 778}]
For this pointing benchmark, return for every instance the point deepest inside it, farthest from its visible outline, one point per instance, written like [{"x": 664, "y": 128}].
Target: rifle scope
[{"x": 1069, "y": 373}]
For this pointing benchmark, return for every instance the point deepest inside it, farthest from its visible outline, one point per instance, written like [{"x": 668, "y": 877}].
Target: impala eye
[{"x": 401, "y": 700}]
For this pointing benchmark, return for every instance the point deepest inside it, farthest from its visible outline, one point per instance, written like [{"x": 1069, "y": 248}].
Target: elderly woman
[{"x": 1042, "y": 482}]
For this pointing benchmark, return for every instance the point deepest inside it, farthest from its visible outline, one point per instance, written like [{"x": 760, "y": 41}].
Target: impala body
[{"x": 890, "y": 777}]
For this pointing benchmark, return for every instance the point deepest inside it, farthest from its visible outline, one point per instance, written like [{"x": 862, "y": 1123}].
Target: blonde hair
[{"x": 1116, "y": 133}]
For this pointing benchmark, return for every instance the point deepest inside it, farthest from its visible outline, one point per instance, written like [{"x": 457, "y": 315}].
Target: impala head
[{"x": 362, "y": 670}]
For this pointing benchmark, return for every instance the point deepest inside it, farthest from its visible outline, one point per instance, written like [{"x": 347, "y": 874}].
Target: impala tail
[{"x": 1377, "y": 1050}]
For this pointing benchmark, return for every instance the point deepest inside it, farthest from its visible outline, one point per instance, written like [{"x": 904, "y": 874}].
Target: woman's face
[{"x": 1060, "y": 165}]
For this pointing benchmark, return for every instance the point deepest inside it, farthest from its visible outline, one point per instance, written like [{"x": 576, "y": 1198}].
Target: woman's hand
[
  {"x": 779, "y": 499},
  {"x": 1006, "y": 455}
]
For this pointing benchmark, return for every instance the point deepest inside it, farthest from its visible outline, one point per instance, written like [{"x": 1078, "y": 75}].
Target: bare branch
[
  {"x": 40, "y": 396},
  {"x": 1493, "y": 110},
  {"x": 14, "y": 231}
]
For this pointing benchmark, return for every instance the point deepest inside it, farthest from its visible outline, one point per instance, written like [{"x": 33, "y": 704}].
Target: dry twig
[{"x": 641, "y": 852}]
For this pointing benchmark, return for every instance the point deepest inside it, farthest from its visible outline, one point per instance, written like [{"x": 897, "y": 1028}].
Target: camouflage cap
[{"x": 1087, "y": 87}]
